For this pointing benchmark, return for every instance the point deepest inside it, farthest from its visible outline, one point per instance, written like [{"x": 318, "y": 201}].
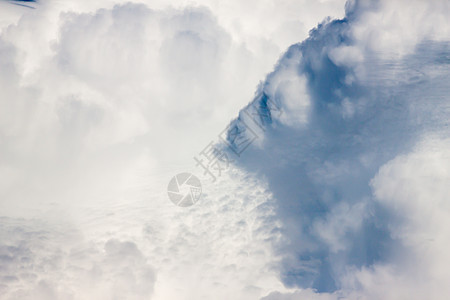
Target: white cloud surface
[
  {"x": 101, "y": 103},
  {"x": 345, "y": 191}
]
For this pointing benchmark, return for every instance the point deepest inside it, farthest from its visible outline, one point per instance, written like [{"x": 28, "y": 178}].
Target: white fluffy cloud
[
  {"x": 372, "y": 91},
  {"x": 40, "y": 262},
  {"x": 413, "y": 187},
  {"x": 102, "y": 103}
]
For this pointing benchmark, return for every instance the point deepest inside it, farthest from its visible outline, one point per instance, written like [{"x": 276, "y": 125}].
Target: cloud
[
  {"x": 39, "y": 262},
  {"x": 101, "y": 104},
  {"x": 303, "y": 294},
  {"x": 96, "y": 90},
  {"x": 413, "y": 188},
  {"x": 373, "y": 94},
  {"x": 132, "y": 73}
]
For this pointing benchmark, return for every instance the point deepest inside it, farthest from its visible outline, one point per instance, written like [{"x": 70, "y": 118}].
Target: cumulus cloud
[
  {"x": 41, "y": 262},
  {"x": 376, "y": 88},
  {"x": 342, "y": 192},
  {"x": 101, "y": 104},
  {"x": 95, "y": 88}
]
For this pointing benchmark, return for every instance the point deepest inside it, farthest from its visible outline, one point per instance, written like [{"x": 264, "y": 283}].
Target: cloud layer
[
  {"x": 102, "y": 103},
  {"x": 342, "y": 193},
  {"x": 363, "y": 98}
]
